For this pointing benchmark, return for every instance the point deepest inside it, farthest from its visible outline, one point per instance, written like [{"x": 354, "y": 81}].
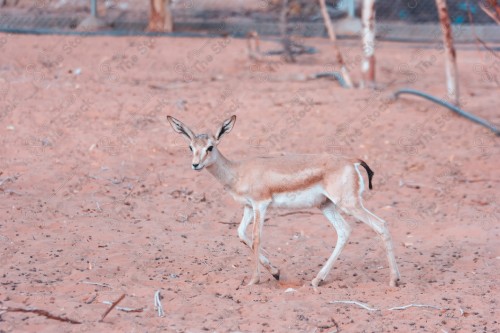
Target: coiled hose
[{"x": 452, "y": 107}]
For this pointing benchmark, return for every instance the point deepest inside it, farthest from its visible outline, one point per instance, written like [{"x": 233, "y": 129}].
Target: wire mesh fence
[
  {"x": 406, "y": 20},
  {"x": 425, "y": 11}
]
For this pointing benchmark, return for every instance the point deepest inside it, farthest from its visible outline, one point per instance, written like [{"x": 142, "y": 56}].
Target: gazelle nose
[{"x": 195, "y": 165}]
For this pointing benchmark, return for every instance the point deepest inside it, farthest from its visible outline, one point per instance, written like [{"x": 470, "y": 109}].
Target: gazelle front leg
[
  {"x": 245, "y": 221},
  {"x": 343, "y": 230},
  {"x": 259, "y": 213}
]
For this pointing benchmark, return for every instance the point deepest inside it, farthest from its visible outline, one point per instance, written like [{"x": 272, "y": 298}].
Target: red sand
[{"x": 102, "y": 189}]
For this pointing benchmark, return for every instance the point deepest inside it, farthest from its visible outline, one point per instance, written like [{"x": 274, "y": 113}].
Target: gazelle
[{"x": 294, "y": 181}]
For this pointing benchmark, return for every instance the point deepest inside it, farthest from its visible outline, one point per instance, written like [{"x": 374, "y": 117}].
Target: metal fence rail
[{"x": 401, "y": 20}]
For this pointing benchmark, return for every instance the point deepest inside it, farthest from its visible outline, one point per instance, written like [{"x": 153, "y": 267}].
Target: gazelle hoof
[{"x": 254, "y": 280}]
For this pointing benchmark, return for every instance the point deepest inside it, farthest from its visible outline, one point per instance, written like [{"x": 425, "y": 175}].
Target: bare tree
[
  {"x": 333, "y": 38},
  {"x": 160, "y": 18},
  {"x": 492, "y": 9},
  {"x": 450, "y": 54},
  {"x": 368, "y": 37}
]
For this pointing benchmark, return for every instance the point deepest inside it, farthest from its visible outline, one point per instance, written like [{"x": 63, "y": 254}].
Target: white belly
[{"x": 311, "y": 197}]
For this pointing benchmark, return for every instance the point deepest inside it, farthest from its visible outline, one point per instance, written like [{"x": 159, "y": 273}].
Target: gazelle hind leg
[
  {"x": 259, "y": 213},
  {"x": 380, "y": 227},
  {"x": 356, "y": 209},
  {"x": 343, "y": 230},
  {"x": 245, "y": 221}
]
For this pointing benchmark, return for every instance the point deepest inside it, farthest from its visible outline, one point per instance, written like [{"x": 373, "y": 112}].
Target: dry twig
[
  {"x": 360, "y": 304},
  {"x": 115, "y": 303},
  {"x": 40, "y": 312},
  {"x": 479, "y": 40},
  {"x": 490, "y": 12},
  {"x": 158, "y": 306},
  {"x": 124, "y": 309},
  {"x": 97, "y": 284},
  {"x": 404, "y": 307}
]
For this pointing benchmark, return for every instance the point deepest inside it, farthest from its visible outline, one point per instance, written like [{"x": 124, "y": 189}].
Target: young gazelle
[{"x": 295, "y": 181}]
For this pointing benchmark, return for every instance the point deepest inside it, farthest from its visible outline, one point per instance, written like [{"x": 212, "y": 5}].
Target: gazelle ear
[
  {"x": 179, "y": 127},
  {"x": 226, "y": 127}
]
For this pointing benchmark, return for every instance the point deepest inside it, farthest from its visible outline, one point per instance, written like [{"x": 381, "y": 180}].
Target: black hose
[{"x": 452, "y": 107}]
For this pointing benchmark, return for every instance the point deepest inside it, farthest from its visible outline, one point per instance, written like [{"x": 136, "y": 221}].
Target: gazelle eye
[
  {"x": 190, "y": 148},
  {"x": 210, "y": 148}
]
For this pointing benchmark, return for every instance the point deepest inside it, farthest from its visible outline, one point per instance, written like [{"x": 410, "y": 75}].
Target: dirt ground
[{"x": 98, "y": 198}]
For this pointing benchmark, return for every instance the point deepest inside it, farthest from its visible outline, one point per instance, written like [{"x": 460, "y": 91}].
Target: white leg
[
  {"x": 259, "y": 214},
  {"x": 380, "y": 227},
  {"x": 245, "y": 221},
  {"x": 343, "y": 230}
]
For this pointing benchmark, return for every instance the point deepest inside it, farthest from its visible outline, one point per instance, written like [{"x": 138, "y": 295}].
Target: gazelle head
[{"x": 203, "y": 146}]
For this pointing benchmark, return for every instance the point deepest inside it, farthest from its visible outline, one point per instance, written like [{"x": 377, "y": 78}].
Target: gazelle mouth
[{"x": 198, "y": 168}]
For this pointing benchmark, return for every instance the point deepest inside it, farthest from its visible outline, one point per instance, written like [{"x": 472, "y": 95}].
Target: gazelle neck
[{"x": 223, "y": 169}]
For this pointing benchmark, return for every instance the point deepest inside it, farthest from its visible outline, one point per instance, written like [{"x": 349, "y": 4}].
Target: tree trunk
[
  {"x": 368, "y": 36},
  {"x": 285, "y": 38},
  {"x": 160, "y": 19},
  {"x": 450, "y": 54},
  {"x": 333, "y": 38}
]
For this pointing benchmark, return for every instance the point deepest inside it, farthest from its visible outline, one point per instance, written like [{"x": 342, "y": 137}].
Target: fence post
[
  {"x": 160, "y": 18},
  {"x": 368, "y": 38},
  {"x": 93, "y": 8}
]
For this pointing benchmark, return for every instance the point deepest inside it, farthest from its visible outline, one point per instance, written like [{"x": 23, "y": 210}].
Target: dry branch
[
  {"x": 450, "y": 54},
  {"x": 115, "y": 303},
  {"x": 97, "y": 284},
  {"x": 369, "y": 308},
  {"x": 360, "y": 304},
  {"x": 492, "y": 10},
  {"x": 43, "y": 313},
  {"x": 333, "y": 38},
  {"x": 124, "y": 309},
  {"x": 479, "y": 40},
  {"x": 157, "y": 303},
  {"x": 404, "y": 307}
]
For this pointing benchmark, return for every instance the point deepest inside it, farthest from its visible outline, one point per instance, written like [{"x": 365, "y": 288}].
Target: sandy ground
[{"x": 97, "y": 188}]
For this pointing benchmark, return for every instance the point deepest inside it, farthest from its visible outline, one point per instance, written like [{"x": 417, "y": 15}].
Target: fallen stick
[
  {"x": 299, "y": 212},
  {"x": 40, "y": 312},
  {"x": 158, "y": 306},
  {"x": 124, "y": 309},
  {"x": 115, "y": 303},
  {"x": 8, "y": 179},
  {"x": 91, "y": 299},
  {"x": 363, "y": 305},
  {"x": 412, "y": 184},
  {"x": 97, "y": 284},
  {"x": 404, "y": 307}
]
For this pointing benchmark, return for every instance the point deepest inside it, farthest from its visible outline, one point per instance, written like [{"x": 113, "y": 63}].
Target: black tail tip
[{"x": 369, "y": 172}]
